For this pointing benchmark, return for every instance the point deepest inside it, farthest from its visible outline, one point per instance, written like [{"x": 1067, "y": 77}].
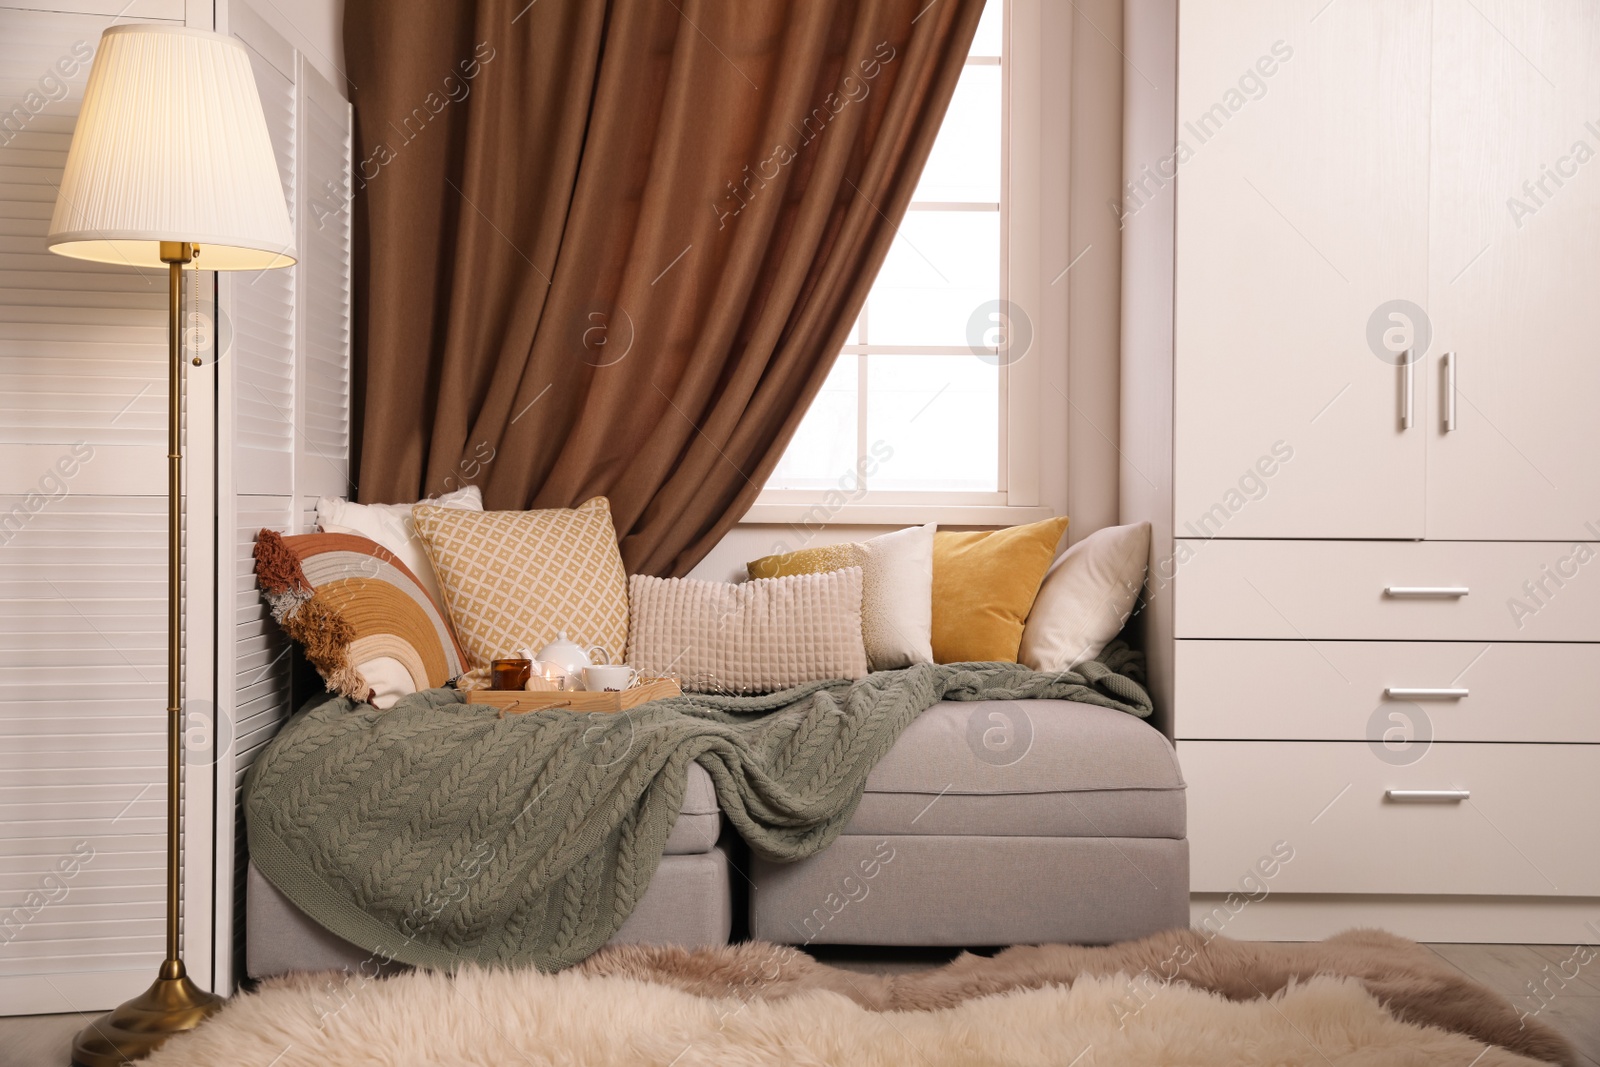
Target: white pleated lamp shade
[{"x": 171, "y": 145}]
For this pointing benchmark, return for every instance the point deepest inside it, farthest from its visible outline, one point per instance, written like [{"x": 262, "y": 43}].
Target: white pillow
[
  {"x": 390, "y": 525},
  {"x": 1086, "y": 597},
  {"x": 896, "y": 589},
  {"x": 752, "y": 637},
  {"x": 897, "y": 597}
]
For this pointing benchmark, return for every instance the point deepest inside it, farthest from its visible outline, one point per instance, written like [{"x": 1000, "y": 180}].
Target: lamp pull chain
[{"x": 198, "y": 340}]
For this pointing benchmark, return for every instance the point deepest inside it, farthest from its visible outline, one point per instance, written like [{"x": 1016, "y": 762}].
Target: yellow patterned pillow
[
  {"x": 818, "y": 560},
  {"x": 515, "y": 579}
]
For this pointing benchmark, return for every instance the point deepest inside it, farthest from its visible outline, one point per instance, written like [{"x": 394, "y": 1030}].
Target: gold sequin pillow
[{"x": 516, "y": 579}]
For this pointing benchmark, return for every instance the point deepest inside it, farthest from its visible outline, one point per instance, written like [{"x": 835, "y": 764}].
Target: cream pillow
[
  {"x": 752, "y": 637},
  {"x": 516, "y": 579},
  {"x": 896, "y": 590},
  {"x": 391, "y": 526},
  {"x": 1086, "y": 598}
]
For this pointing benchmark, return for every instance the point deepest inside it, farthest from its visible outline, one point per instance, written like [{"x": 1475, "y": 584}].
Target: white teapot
[{"x": 563, "y": 660}]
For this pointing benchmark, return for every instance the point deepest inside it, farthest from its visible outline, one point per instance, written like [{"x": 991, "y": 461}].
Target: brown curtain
[{"x": 613, "y": 246}]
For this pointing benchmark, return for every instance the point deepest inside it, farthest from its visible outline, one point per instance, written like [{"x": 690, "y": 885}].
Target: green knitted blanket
[{"x": 438, "y": 833}]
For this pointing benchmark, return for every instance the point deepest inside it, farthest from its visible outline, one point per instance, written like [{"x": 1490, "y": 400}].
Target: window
[{"x": 918, "y": 412}]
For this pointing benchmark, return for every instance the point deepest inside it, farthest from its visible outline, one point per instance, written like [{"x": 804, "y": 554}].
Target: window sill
[{"x": 819, "y": 515}]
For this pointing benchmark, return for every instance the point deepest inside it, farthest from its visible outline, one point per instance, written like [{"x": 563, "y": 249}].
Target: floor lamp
[{"x": 170, "y": 166}]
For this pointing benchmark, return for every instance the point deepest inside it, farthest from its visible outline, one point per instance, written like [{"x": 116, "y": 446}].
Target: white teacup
[{"x": 612, "y": 677}]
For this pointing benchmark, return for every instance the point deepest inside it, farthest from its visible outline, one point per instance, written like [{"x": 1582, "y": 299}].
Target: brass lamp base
[{"x": 132, "y": 1031}]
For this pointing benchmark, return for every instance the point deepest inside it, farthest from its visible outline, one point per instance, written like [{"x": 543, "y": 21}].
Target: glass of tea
[{"x": 511, "y": 673}]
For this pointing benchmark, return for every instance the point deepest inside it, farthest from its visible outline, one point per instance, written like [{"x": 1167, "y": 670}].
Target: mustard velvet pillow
[{"x": 984, "y": 583}]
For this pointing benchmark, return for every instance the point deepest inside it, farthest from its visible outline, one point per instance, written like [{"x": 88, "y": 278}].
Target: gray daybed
[{"x": 988, "y": 823}]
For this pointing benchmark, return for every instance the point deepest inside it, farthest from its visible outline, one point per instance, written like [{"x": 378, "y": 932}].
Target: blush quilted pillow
[{"x": 754, "y": 637}]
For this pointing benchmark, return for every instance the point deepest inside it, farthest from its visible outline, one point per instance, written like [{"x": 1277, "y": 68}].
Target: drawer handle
[
  {"x": 1428, "y": 796},
  {"x": 1449, "y": 392},
  {"x": 1399, "y": 693},
  {"x": 1436, "y": 591},
  {"x": 1408, "y": 376}
]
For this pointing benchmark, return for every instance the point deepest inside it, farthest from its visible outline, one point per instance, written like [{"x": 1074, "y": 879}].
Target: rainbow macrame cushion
[{"x": 363, "y": 619}]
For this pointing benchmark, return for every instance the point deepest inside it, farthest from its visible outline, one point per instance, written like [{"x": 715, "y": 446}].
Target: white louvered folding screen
[
  {"x": 284, "y": 430},
  {"x": 83, "y": 397},
  {"x": 263, "y": 307},
  {"x": 260, "y": 702},
  {"x": 322, "y": 466}
]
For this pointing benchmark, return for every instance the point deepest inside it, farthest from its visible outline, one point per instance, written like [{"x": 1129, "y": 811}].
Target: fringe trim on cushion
[
  {"x": 277, "y": 567},
  {"x": 306, "y": 617}
]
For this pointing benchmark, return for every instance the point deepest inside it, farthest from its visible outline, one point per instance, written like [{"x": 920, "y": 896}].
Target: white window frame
[{"x": 1022, "y": 496}]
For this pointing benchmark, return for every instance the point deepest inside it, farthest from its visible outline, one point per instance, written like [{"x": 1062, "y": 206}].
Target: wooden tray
[{"x": 515, "y": 702}]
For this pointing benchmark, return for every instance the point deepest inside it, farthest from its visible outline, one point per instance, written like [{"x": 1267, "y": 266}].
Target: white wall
[{"x": 1094, "y": 308}]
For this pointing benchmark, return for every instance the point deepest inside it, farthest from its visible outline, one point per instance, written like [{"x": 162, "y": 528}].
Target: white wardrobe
[{"x": 1360, "y": 383}]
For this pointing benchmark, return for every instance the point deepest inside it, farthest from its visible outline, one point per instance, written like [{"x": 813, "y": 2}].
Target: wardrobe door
[
  {"x": 1515, "y": 270},
  {"x": 1302, "y": 179}
]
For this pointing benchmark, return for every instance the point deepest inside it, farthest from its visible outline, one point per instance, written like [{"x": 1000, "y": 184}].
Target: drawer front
[
  {"x": 1389, "y": 590},
  {"x": 1398, "y": 693},
  {"x": 1526, "y": 828}
]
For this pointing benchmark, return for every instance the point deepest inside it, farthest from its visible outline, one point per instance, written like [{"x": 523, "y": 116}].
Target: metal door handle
[
  {"x": 1449, "y": 391},
  {"x": 1400, "y": 693},
  {"x": 1407, "y": 389},
  {"x": 1435, "y": 591},
  {"x": 1428, "y": 796}
]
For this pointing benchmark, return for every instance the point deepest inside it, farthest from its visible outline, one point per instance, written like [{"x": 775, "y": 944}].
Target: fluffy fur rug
[{"x": 1362, "y": 999}]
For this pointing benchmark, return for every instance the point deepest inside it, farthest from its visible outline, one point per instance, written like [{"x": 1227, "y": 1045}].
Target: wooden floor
[
  {"x": 1512, "y": 970},
  {"x": 1570, "y": 1005}
]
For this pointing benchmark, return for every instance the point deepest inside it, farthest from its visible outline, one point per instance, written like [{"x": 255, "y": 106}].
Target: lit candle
[{"x": 553, "y": 673}]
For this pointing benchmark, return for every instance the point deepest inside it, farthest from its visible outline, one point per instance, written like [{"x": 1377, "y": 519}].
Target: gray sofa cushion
[
  {"x": 1025, "y": 768},
  {"x": 689, "y": 902},
  {"x": 967, "y": 891},
  {"x": 700, "y": 820}
]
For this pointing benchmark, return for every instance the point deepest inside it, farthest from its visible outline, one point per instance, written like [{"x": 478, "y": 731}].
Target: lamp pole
[{"x": 175, "y": 254}]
